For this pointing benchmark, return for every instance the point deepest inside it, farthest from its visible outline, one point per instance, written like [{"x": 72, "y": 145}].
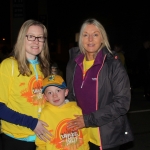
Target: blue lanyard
[{"x": 34, "y": 63}]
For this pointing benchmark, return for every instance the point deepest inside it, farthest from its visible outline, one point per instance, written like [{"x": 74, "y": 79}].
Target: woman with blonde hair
[
  {"x": 99, "y": 83},
  {"x": 21, "y": 98}
]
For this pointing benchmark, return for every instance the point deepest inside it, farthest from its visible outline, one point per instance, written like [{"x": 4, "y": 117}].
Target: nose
[
  {"x": 90, "y": 37},
  {"x": 55, "y": 94}
]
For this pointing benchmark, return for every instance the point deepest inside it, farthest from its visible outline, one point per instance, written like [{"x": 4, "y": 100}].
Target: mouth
[
  {"x": 34, "y": 47},
  {"x": 91, "y": 45},
  {"x": 56, "y": 101}
]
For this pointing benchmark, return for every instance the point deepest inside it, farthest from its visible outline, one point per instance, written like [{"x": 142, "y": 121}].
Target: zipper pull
[{"x": 82, "y": 84}]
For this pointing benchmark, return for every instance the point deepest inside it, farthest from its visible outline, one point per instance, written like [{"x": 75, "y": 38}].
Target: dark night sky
[
  {"x": 4, "y": 18},
  {"x": 124, "y": 20}
]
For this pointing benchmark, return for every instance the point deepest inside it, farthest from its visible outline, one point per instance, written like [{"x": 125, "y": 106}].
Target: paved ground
[{"x": 139, "y": 117}]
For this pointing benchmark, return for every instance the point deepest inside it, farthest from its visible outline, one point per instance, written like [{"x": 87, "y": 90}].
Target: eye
[
  {"x": 95, "y": 35},
  {"x": 58, "y": 91},
  {"x": 41, "y": 38},
  {"x": 50, "y": 93},
  {"x": 31, "y": 36},
  {"x": 85, "y": 35}
]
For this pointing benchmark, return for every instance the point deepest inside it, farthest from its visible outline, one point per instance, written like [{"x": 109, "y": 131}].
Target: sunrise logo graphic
[
  {"x": 66, "y": 139},
  {"x": 33, "y": 93}
]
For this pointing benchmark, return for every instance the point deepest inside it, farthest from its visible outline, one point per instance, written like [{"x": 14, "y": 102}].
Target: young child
[{"x": 56, "y": 113}]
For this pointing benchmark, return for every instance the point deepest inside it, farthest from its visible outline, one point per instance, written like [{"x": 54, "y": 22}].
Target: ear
[
  {"x": 66, "y": 92},
  {"x": 44, "y": 96}
]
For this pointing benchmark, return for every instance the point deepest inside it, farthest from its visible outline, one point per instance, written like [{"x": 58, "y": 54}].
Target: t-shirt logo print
[
  {"x": 65, "y": 139},
  {"x": 34, "y": 92}
]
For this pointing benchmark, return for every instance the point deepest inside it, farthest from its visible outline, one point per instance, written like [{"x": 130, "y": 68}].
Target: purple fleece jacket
[{"x": 85, "y": 89}]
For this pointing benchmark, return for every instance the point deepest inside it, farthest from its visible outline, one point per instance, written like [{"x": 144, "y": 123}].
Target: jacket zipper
[
  {"x": 84, "y": 77},
  {"x": 82, "y": 84}
]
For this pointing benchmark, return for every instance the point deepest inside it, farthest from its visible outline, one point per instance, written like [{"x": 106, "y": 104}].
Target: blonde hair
[
  {"x": 19, "y": 51},
  {"x": 102, "y": 31}
]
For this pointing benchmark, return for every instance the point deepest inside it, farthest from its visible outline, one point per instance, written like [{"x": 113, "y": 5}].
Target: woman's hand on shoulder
[{"x": 41, "y": 132}]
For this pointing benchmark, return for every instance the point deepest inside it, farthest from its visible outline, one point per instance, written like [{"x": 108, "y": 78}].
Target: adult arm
[
  {"x": 34, "y": 124},
  {"x": 14, "y": 117},
  {"x": 115, "y": 104}
]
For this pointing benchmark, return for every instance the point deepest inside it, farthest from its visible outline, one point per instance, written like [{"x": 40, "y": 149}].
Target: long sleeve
[{"x": 17, "y": 118}]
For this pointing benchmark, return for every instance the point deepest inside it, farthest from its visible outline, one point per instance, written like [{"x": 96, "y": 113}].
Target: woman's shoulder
[
  {"x": 74, "y": 52},
  {"x": 112, "y": 57},
  {"x": 8, "y": 62},
  {"x": 113, "y": 62}
]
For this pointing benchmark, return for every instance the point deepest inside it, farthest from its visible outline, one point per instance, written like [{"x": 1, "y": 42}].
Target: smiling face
[
  {"x": 91, "y": 40},
  {"x": 33, "y": 48},
  {"x": 55, "y": 95}
]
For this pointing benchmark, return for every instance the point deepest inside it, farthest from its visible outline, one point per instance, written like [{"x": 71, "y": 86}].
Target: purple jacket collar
[{"x": 98, "y": 60}]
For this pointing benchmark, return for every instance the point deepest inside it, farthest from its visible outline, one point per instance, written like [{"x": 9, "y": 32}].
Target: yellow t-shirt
[
  {"x": 94, "y": 135},
  {"x": 21, "y": 94},
  {"x": 87, "y": 65},
  {"x": 63, "y": 139}
]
